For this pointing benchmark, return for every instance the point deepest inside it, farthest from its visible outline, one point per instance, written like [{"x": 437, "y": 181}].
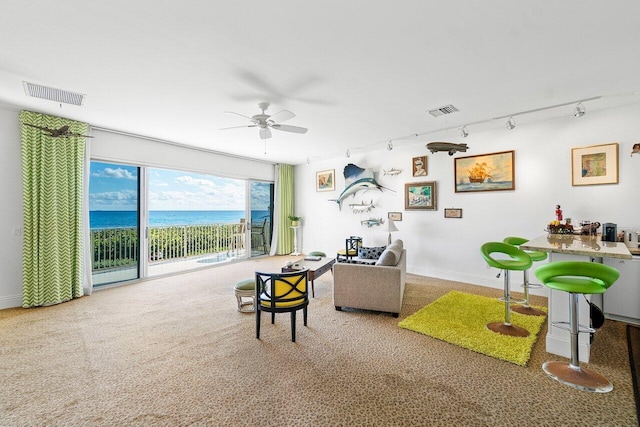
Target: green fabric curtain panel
[
  {"x": 285, "y": 205},
  {"x": 52, "y": 178}
]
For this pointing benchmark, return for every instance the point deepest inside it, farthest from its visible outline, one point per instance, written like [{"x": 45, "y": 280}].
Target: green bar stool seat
[
  {"x": 535, "y": 256},
  {"x": 576, "y": 277},
  {"x": 506, "y": 257}
]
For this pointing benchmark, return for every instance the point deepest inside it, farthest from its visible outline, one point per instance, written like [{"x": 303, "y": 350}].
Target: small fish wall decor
[
  {"x": 372, "y": 222},
  {"x": 392, "y": 171},
  {"x": 361, "y": 207}
]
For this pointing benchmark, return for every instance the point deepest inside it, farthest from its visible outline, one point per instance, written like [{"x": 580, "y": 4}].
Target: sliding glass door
[
  {"x": 147, "y": 222},
  {"x": 114, "y": 219},
  {"x": 260, "y": 208}
]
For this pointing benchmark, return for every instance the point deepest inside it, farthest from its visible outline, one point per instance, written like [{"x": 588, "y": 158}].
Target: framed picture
[
  {"x": 593, "y": 165},
  {"x": 326, "y": 180},
  {"x": 419, "y": 166},
  {"x": 396, "y": 216},
  {"x": 453, "y": 213},
  {"x": 485, "y": 172},
  {"x": 420, "y": 196}
]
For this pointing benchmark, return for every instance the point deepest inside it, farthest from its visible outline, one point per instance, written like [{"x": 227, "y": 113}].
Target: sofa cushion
[
  {"x": 391, "y": 255},
  {"x": 370, "y": 252}
]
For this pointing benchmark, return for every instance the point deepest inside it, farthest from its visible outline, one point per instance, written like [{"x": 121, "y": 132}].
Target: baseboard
[
  {"x": 562, "y": 347},
  {"x": 476, "y": 279},
  {"x": 10, "y": 301}
]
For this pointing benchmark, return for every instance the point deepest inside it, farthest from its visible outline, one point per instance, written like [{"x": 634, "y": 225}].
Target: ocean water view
[{"x": 115, "y": 219}]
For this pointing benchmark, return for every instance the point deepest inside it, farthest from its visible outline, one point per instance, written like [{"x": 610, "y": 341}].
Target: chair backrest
[
  {"x": 515, "y": 241},
  {"x": 282, "y": 290},
  {"x": 564, "y": 273},
  {"x": 259, "y": 226},
  {"x": 353, "y": 242},
  {"x": 515, "y": 259}
]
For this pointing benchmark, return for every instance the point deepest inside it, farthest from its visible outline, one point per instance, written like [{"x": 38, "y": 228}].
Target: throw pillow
[{"x": 370, "y": 253}]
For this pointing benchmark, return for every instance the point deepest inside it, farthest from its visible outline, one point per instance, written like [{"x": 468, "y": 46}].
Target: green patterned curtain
[
  {"x": 52, "y": 178},
  {"x": 282, "y": 242}
]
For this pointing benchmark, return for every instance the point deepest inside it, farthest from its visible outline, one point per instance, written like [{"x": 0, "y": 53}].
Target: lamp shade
[{"x": 391, "y": 226}]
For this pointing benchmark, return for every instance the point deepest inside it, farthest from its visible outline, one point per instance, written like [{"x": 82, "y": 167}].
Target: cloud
[
  {"x": 118, "y": 173},
  {"x": 113, "y": 200}
]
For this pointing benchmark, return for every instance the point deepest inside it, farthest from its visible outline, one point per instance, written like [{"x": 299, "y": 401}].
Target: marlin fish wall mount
[{"x": 357, "y": 179}]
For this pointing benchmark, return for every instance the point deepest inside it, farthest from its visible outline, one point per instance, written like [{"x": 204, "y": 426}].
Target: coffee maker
[{"x": 609, "y": 232}]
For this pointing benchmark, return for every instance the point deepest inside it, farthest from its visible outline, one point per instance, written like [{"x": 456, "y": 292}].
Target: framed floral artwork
[
  {"x": 593, "y": 165},
  {"x": 420, "y": 196},
  {"x": 326, "y": 180}
]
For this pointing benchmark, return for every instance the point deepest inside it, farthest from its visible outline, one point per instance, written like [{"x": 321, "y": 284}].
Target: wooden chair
[
  {"x": 259, "y": 236},
  {"x": 282, "y": 293},
  {"x": 351, "y": 249}
]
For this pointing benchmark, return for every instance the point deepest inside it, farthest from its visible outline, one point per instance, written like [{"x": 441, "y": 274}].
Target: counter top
[{"x": 577, "y": 245}]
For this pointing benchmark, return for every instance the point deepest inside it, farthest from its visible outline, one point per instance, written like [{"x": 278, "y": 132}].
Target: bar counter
[{"x": 574, "y": 244}]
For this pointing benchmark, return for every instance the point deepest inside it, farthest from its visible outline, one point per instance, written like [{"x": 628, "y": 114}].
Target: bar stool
[
  {"x": 535, "y": 256},
  {"x": 576, "y": 277},
  {"x": 517, "y": 260}
]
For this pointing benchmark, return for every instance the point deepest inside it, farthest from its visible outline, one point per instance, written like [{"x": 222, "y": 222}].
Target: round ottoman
[{"x": 245, "y": 289}]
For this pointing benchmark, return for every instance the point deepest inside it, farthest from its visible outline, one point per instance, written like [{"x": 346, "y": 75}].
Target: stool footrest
[
  {"x": 531, "y": 285},
  {"x": 566, "y": 326},
  {"x": 513, "y": 300}
]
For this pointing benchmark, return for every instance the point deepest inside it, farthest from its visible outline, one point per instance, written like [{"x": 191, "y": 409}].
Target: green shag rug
[{"x": 460, "y": 318}]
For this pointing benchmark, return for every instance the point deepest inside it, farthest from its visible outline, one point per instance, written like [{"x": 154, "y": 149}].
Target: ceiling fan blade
[
  {"x": 265, "y": 133},
  {"x": 282, "y": 116},
  {"x": 289, "y": 128},
  {"x": 238, "y": 127},
  {"x": 237, "y": 114}
]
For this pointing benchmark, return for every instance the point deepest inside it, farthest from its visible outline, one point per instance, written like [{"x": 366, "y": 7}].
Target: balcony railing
[{"x": 119, "y": 247}]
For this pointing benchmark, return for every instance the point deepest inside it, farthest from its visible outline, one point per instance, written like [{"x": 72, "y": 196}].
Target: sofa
[{"x": 376, "y": 285}]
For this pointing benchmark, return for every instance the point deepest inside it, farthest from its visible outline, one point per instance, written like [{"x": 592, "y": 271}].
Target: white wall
[
  {"x": 449, "y": 248},
  {"x": 10, "y": 211}
]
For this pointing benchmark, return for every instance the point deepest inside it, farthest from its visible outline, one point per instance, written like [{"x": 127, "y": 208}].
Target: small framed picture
[
  {"x": 419, "y": 166},
  {"x": 420, "y": 196},
  {"x": 326, "y": 180},
  {"x": 453, "y": 213},
  {"x": 597, "y": 164},
  {"x": 396, "y": 216}
]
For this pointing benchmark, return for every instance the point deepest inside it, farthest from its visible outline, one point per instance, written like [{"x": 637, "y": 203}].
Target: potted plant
[{"x": 295, "y": 220}]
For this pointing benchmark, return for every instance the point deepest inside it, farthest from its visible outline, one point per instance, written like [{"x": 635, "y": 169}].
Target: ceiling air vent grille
[
  {"x": 53, "y": 94},
  {"x": 447, "y": 109}
]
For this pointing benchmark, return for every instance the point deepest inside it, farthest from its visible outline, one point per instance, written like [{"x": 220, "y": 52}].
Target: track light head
[
  {"x": 579, "y": 110},
  {"x": 464, "y": 132},
  {"x": 389, "y": 146},
  {"x": 511, "y": 123},
  {"x": 348, "y": 154}
]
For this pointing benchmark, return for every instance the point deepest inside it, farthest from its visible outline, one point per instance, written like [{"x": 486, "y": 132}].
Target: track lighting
[
  {"x": 389, "y": 146},
  {"x": 511, "y": 123},
  {"x": 579, "y": 111},
  {"x": 348, "y": 153},
  {"x": 308, "y": 160},
  {"x": 464, "y": 132}
]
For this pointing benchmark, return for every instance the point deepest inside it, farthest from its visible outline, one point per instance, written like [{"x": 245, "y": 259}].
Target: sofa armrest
[{"x": 368, "y": 287}]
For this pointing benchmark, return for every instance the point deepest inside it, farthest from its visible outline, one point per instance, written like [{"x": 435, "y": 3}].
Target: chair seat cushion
[
  {"x": 577, "y": 285},
  {"x": 246, "y": 285}
]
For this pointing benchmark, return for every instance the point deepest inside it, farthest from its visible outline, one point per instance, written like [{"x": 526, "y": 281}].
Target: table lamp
[{"x": 391, "y": 226}]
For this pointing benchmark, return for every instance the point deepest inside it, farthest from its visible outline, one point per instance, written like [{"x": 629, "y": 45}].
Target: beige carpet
[{"x": 175, "y": 352}]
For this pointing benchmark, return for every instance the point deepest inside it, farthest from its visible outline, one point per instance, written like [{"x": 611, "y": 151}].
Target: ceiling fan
[
  {"x": 62, "y": 132},
  {"x": 267, "y": 122}
]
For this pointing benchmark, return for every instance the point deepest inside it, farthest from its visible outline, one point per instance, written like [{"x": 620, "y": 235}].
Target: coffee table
[{"x": 316, "y": 269}]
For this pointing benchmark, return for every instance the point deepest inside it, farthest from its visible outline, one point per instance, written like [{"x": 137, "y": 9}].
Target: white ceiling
[{"x": 357, "y": 73}]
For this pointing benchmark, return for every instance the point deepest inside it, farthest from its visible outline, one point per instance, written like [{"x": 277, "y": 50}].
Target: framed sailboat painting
[{"x": 485, "y": 172}]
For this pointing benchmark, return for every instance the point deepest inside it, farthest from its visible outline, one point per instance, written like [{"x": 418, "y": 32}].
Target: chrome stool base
[
  {"x": 577, "y": 377},
  {"x": 528, "y": 311},
  {"x": 506, "y": 329}
]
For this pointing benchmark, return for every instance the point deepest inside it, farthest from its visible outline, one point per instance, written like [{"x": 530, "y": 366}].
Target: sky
[{"x": 114, "y": 187}]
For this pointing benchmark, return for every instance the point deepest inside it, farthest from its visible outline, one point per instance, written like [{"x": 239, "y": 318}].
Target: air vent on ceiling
[
  {"x": 52, "y": 94},
  {"x": 447, "y": 109}
]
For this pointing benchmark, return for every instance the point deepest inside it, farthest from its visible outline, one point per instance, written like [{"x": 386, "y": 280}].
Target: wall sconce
[
  {"x": 511, "y": 123},
  {"x": 464, "y": 132},
  {"x": 579, "y": 111}
]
